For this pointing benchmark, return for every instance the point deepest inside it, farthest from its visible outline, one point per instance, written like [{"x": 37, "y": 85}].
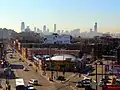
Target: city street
[
  {"x": 45, "y": 84},
  {"x": 27, "y": 75}
]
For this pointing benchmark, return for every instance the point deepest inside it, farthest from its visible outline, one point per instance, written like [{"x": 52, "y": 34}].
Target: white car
[
  {"x": 87, "y": 79},
  {"x": 33, "y": 81},
  {"x": 25, "y": 69},
  {"x": 30, "y": 88}
]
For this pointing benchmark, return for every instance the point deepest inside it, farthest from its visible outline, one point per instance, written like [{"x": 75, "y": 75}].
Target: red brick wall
[{"x": 47, "y": 51}]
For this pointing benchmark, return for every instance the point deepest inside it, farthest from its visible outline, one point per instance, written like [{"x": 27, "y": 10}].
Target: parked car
[
  {"x": 33, "y": 81},
  {"x": 25, "y": 69},
  {"x": 83, "y": 83},
  {"x": 29, "y": 64},
  {"x": 101, "y": 83},
  {"x": 79, "y": 84},
  {"x": 87, "y": 79},
  {"x": 30, "y": 87},
  {"x": 61, "y": 78},
  {"x": 86, "y": 84}
]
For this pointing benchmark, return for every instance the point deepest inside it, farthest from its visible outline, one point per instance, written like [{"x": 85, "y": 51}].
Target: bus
[{"x": 20, "y": 84}]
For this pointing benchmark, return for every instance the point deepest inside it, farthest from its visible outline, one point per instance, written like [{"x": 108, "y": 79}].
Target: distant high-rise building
[
  {"x": 95, "y": 27},
  {"x": 54, "y": 28},
  {"x": 75, "y": 32},
  {"x": 48, "y": 30},
  {"x": 90, "y": 29},
  {"x": 62, "y": 31},
  {"x": 38, "y": 30},
  {"x": 44, "y": 28},
  {"x": 27, "y": 29},
  {"x": 22, "y": 26},
  {"x": 66, "y": 32},
  {"x": 35, "y": 29},
  {"x": 58, "y": 31}
]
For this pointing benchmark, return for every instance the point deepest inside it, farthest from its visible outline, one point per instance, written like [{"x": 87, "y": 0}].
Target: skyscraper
[
  {"x": 48, "y": 30},
  {"x": 95, "y": 27},
  {"x": 44, "y": 28},
  {"x": 90, "y": 29},
  {"x": 35, "y": 29},
  {"x": 54, "y": 28},
  {"x": 38, "y": 30},
  {"x": 58, "y": 31},
  {"x": 62, "y": 31},
  {"x": 27, "y": 29},
  {"x": 22, "y": 26}
]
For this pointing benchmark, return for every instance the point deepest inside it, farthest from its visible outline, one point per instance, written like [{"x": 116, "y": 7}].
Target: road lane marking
[{"x": 73, "y": 88}]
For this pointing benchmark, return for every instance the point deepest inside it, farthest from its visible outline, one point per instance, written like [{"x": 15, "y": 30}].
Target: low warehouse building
[{"x": 65, "y": 62}]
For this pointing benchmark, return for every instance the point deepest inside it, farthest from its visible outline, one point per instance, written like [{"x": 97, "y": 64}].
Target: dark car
[
  {"x": 83, "y": 83},
  {"x": 79, "y": 84},
  {"x": 29, "y": 64}
]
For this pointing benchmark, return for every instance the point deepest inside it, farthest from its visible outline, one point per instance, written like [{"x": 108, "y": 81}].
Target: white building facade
[{"x": 57, "y": 39}]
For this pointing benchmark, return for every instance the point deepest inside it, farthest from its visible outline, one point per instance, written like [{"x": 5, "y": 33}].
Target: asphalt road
[
  {"x": 44, "y": 83},
  {"x": 27, "y": 75}
]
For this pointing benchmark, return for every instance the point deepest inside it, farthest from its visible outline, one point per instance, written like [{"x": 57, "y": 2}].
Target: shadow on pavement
[
  {"x": 74, "y": 82},
  {"x": 38, "y": 85},
  {"x": 11, "y": 76},
  {"x": 2, "y": 76},
  {"x": 17, "y": 77},
  {"x": 87, "y": 69},
  {"x": 16, "y": 66},
  {"x": 5, "y": 75}
]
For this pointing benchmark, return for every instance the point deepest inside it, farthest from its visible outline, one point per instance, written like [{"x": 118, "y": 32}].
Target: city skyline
[{"x": 67, "y": 15}]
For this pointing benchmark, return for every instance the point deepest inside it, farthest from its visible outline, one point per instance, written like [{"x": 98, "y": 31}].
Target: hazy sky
[{"x": 67, "y": 14}]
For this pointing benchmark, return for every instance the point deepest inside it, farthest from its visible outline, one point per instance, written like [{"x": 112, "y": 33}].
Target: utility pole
[
  {"x": 51, "y": 64},
  {"x": 102, "y": 66},
  {"x": 96, "y": 77},
  {"x": 118, "y": 55}
]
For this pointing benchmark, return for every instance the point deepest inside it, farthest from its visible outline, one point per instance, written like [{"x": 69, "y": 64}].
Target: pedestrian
[
  {"x": 6, "y": 87},
  {"x": 36, "y": 70},
  {"x": 9, "y": 88},
  {"x": 20, "y": 59}
]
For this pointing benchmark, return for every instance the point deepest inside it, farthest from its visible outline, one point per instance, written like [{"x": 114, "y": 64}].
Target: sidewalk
[
  {"x": 4, "y": 85},
  {"x": 68, "y": 75}
]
